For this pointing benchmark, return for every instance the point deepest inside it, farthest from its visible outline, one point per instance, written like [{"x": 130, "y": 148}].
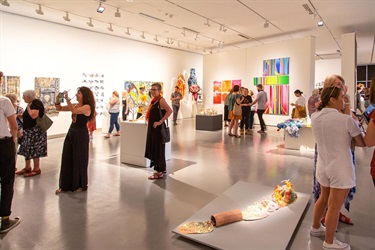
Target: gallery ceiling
[{"x": 212, "y": 26}]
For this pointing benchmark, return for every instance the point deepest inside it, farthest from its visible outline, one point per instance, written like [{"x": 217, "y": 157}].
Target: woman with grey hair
[{"x": 34, "y": 139}]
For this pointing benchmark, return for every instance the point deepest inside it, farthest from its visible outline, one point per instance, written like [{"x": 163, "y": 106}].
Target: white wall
[
  {"x": 32, "y": 48},
  {"x": 326, "y": 67},
  {"x": 245, "y": 64}
]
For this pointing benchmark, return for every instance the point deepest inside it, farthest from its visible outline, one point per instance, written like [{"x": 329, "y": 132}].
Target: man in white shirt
[
  {"x": 261, "y": 99},
  {"x": 7, "y": 161}
]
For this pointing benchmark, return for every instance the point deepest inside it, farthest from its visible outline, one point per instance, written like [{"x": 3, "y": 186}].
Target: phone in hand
[{"x": 61, "y": 97}]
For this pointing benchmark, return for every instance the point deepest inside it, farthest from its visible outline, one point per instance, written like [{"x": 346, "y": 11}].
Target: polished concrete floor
[{"x": 122, "y": 209}]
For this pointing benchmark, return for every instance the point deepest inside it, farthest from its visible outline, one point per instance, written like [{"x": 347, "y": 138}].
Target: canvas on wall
[
  {"x": 221, "y": 89},
  {"x": 95, "y": 82},
  {"x": 134, "y": 93},
  {"x": 275, "y": 81},
  {"x": 47, "y": 88},
  {"x": 11, "y": 85}
]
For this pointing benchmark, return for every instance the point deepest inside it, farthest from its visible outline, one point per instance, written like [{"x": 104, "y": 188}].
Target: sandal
[
  {"x": 345, "y": 219},
  {"x": 23, "y": 171},
  {"x": 156, "y": 176},
  {"x": 231, "y": 134},
  {"x": 33, "y": 173},
  {"x": 237, "y": 136}
]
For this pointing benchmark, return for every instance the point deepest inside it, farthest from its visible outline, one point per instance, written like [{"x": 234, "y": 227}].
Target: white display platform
[
  {"x": 272, "y": 232},
  {"x": 306, "y": 139},
  {"x": 133, "y": 144}
]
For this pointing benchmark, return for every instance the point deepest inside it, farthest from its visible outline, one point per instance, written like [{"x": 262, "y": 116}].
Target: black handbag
[
  {"x": 165, "y": 132},
  {"x": 44, "y": 122}
]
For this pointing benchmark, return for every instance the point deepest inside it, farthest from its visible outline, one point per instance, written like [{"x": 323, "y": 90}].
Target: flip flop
[
  {"x": 345, "y": 219},
  {"x": 156, "y": 176},
  {"x": 12, "y": 224},
  {"x": 33, "y": 173},
  {"x": 23, "y": 171}
]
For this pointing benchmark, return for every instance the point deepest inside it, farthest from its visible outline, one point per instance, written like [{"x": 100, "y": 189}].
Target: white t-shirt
[
  {"x": 333, "y": 132},
  {"x": 6, "y": 110},
  {"x": 301, "y": 101}
]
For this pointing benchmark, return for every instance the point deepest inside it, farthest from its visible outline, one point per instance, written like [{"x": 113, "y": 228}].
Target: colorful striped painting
[{"x": 278, "y": 99}]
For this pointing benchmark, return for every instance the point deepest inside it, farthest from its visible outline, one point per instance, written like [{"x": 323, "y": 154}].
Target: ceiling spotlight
[
  {"x": 207, "y": 23},
  {"x": 90, "y": 23},
  {"x": 117, "y": 13},
  {"x": 66, "y": 17},
  {"x": 156, "y": 39},
  {"x": 183, "y": 32},
  {"x": 143, "y": 35},
  {"x": 178, "y": 44},
  {"x": 220, "y": 44},
  {"x": 266, "y": 24},
  {"x": 39, "y": 11},
  {"x": 320, "y": 23},
  {"x": 100, "y": 9},
  {"x": 110, "y": 27},
  {"x": 196, "y": 38},
  {"x": 5, "y": 3},
  {"x": 127, "y": 32}
]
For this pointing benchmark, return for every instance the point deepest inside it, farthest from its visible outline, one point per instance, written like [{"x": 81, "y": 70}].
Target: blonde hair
[
  {"x": 12, "y": 97},
  {"x": 331, "y": 80}
]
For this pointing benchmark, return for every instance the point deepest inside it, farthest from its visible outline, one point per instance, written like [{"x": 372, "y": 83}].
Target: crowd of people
[{"x": 334, "y": 170}]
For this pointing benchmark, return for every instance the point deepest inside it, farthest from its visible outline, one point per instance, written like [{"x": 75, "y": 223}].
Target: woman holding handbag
[
  {"x": 157, "y": 113},
  {"x": 34, "y": 139},
  {"x": 234, "y": 104}
]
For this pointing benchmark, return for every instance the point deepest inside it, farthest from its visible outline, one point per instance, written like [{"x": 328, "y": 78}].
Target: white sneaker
[
  {"x": 336, "y": 245},
  {"x": 321, "y": 231}
]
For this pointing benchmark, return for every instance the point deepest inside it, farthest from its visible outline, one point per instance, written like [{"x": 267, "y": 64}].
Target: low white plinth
[
  {"x": 306, "y": 139},
  {"x": 133, "y": 144}
]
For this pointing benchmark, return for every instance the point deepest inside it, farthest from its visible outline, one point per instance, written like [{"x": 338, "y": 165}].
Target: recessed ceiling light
[{"x": 320, "y": 23}]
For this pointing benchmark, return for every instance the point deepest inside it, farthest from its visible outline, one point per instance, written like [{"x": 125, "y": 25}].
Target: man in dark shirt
[{"x": 246, "y": 113}]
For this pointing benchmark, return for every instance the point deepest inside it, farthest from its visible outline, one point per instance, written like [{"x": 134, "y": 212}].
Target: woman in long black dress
[
  {"x": 75, "y": 155},
  {"x": 157, "y": 113}
]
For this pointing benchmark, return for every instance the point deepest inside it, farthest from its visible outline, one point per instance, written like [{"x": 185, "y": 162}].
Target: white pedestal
[
  {"x": 133, "y": 144},
  {"x": 306, "y": 139}
]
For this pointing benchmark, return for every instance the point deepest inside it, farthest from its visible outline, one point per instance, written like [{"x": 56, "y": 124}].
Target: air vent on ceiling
[
  {"x": 244, "y": 36},
  {"x": 151, "y": 17},
  {"x": 187, "y": 29},
  {"x": 307, "y": 8}
]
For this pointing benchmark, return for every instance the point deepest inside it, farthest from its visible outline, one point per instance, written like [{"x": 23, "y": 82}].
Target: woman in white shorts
[{"x": 335, "y": 171}]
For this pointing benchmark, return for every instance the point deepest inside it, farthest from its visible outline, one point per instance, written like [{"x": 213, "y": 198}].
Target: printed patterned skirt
[{"x": 33, "y": 143}]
